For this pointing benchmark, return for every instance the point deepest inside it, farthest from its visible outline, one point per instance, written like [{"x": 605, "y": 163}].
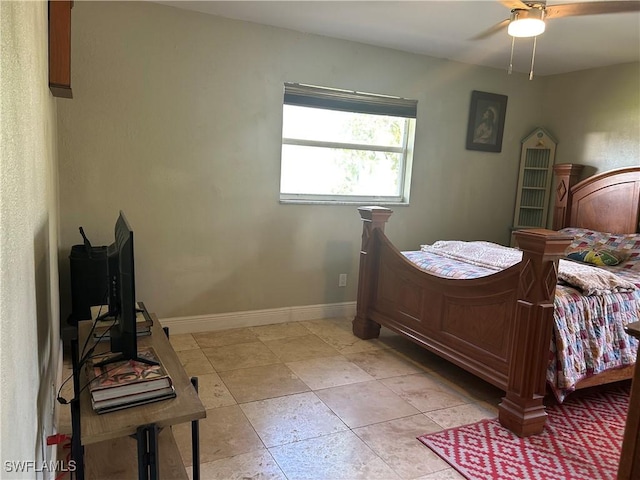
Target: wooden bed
[{"x": 497, "y": 327}]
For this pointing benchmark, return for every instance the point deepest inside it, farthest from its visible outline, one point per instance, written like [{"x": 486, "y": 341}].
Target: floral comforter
[{"x": 588, "y": 335}]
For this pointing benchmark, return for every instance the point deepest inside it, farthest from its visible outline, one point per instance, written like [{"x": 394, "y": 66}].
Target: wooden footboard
[{"x": 497, "y": 327}]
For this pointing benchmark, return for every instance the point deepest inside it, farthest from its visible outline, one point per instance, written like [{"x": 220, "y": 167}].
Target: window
[{"x": 340, "y": 146}]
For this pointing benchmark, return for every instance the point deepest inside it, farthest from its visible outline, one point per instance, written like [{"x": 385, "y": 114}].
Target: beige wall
[
  {"x": 177, "y": 121},
  {"x": 29, "y": 307},
  {"x": 186, "y": 109},
  {"x": 595, "y": 115}
]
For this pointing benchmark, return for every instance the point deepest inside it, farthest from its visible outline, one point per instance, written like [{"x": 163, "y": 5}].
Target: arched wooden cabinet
[{"x": 534, "y": 180}]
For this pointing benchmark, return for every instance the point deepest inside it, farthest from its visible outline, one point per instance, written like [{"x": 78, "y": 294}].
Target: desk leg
[
  {"x": 77, "y": 450},
  {"x": 195, "y": 440},
  {"x": 147, "y": 439}
]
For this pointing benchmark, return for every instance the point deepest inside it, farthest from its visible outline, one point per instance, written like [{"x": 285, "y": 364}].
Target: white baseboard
[{"x": 254, "y": 318}]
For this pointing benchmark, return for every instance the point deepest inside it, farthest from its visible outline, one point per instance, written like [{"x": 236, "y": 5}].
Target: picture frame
[{"x": 487, "y": 114}]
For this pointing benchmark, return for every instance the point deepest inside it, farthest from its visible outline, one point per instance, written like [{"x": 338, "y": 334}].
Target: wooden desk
[
  {"x": 102, "y": 430},
  {"x": 629, "y": 468}
]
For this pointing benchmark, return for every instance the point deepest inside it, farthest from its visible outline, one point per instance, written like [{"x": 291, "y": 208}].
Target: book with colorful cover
[
  {"x": 126, "y": 377},
  {"x": 118, "y": 403}
]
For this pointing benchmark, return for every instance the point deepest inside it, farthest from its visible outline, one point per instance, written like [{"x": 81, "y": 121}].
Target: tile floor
[{"x": 309, "y": 400}]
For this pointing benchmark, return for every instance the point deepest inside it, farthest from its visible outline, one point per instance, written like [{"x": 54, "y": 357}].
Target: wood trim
[
  {"x": 595, "y": 199},
  {"x": 629, "y": 467},
  {"x": 60, "y": 48},
  {"x": 567, "y": 175}
]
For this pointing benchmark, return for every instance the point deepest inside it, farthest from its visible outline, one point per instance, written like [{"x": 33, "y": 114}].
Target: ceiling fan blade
[
  {"x": 491, "y": 31},
  {"x": 513, "y": 4},
  {"x": 591, "y": 8}
]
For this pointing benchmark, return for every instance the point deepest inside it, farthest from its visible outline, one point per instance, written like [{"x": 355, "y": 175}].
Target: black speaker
[{"x": 89, "y": 279}]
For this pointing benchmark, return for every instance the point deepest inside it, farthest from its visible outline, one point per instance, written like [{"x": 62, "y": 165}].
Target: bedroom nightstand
[{"x": 630, "y": 457}]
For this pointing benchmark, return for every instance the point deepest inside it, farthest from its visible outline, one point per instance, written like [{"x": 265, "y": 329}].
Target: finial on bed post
[
  {"x": 372, "y": 218},
  {"x": 567, "y": 175},
  {"x": 522, "y": 409}
]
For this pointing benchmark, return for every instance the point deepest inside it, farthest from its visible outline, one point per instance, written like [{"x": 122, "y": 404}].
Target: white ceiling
[{"x": 443, "y": 29}]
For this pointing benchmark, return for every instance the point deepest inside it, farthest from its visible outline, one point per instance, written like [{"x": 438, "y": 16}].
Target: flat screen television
[{"x": 122, "y": 295}]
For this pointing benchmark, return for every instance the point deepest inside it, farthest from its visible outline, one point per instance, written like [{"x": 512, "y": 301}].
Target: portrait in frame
[{"x": 486, "y": 121}]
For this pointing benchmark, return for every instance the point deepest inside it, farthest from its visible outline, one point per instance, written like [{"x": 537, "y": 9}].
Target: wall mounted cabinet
[{"x": 60, "y": 48}]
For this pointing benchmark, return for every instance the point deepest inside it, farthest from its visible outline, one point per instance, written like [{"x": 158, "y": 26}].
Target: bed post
[
  {"x": 372, "y": 218},
  {"x": 566, "y": 177},
  {"x": 522, "y": 409}
]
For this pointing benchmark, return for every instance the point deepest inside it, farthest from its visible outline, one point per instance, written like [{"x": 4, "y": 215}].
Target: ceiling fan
[{"x": 528, "y": 17}]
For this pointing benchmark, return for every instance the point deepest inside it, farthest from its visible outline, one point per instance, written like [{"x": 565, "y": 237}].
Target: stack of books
[
  {"x": 103, "y": 326},
  {"x": 127, "y": 383}
]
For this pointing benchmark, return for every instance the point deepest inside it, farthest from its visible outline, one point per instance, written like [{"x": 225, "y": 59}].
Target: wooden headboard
[{"x": 605, "y": 202}]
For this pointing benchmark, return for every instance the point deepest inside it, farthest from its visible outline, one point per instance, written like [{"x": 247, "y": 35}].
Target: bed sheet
[{"x": 588, "y": 336}]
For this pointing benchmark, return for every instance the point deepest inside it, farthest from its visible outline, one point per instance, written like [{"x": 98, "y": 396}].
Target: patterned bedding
[{"x": 589, "y": 334}]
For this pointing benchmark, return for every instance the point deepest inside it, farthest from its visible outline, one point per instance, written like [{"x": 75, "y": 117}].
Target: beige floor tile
[
  {"x": 467, "y": 384},
  {"x": 340, "y": 336},
  {"x": 327, "y": 324},
  {"x": 213, "y": 392},
  {"x": 225, "y": 337},
  {"x": 195, "y": 362},
  {"x": 388, "y": 390},
  {"x": 365, "y": 403},
  {"x": 328, "y": 372},
  {"x": 225, "y": 432},
  {"x": 460, "y": 415},
  {"x": 258, "y": 465},
  {"x": 405, "y": 347},
  {"x": 183, "y": 341},
  {"x": 490, "y": 405},
  {"x": 384, "y": 363},
  {"x": 396, "y": 443},
  {"x": 241, "y": 355},
  {"x": 340, "y": 456},
  {"x": 293, "y": 349},
  {"x": 446, "y": 474},
  {"x": 291, "y": 418},
  {"x": 258, "y": 383},
  {"x": 424, "y": 393},
  {"x": 347, "y": 342},
  {"x": 279, "y": 330}
]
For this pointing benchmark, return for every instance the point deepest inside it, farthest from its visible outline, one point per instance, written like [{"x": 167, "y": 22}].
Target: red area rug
[{"x": 582, "y": 440}]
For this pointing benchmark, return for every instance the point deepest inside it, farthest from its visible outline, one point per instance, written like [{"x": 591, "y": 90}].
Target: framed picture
[{"x": 486, "y": 121}]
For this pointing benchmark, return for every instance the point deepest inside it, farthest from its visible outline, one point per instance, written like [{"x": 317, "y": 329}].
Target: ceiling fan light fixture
[{"x": 526, "y": 23}]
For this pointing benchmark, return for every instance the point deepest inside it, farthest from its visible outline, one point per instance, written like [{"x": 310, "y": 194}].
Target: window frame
[{"x": 350, "y": 101}]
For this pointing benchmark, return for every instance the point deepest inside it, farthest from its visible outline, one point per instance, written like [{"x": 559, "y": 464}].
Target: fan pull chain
[
  {"x": 510, "y": 69},
  {"x": 533, "y": 57}
]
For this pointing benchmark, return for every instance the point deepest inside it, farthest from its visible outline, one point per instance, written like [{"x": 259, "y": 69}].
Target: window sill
[{"x": 343, "y": 202}]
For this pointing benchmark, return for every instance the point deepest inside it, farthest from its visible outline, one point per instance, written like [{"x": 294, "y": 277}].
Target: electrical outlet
[{"x": 342, "y": 280}]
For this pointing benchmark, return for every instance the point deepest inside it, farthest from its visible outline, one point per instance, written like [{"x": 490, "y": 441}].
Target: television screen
[{"x": 122, "y": 294}]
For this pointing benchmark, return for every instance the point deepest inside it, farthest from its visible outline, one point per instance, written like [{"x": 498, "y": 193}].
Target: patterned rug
[{"x": 582, "y": 440}]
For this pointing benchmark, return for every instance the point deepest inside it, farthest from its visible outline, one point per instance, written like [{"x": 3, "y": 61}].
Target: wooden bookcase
[{"x": 534, "y": 180}]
